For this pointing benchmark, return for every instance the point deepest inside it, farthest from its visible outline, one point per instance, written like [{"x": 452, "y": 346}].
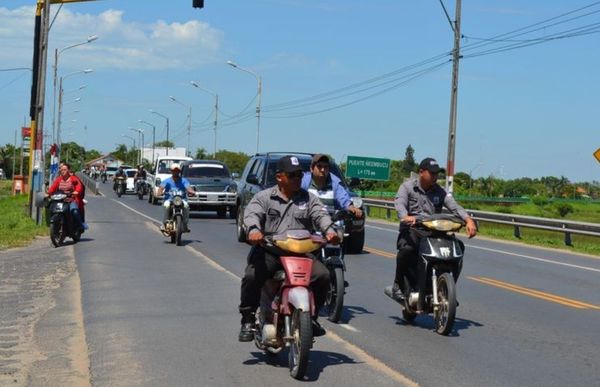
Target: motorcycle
[
  {"x": 332, "y": 257},
  {"x": 141, "y": 188},
  {"x": 431, "y": 283},
  {"x": 284, "y": 317},
  {"x": 103, "y": 177},
  {"x": 120, "y": 185},
  {"x": 61, "y": 221},
  {"x": 174, "y": 227}
]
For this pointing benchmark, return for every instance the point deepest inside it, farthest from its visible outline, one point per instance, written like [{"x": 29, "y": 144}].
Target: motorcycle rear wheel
[
  {"x": 300, "y": 347},
  {"x": 444, "y": 317},
  {"x": 56, "y": 230},
  {"x": 334, "y": 302},
  {"x": 140, "y": 194}
]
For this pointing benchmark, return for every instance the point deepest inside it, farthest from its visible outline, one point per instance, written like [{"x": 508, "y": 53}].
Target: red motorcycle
[{"x": 284, "y": 318}]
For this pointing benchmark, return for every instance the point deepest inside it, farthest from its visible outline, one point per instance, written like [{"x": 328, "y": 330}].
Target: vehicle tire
[
  {"x": 56, "y": 230},
  {"x": 444, "y": 317},
  {"x": 178, "y": 230},
  {"x": 355, "y": 242},
  {"x": 233, "y": 212},
  {"x": 334, "y": 302},
  {"x": 76, "y": 236},
  {"x": 119, "y": 191},
  {"x": 154, "y": 200},
  {"x": 222, "y": 212},
  {"x": 241, "y": 235},
  {"x": 300, "y": 347},
  {"x": 140, "y": 194},
  {"x": 150, "y": 197},
  {"x": 408, "y": 316}
]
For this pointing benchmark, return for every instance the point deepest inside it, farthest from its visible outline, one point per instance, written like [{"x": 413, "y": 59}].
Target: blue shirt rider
[
  {"x": 327, "y": 186},
  {"x": 175, "y": 183}
]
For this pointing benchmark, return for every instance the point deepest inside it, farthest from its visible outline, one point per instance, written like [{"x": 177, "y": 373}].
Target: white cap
[{"x": 175, "y": 166}]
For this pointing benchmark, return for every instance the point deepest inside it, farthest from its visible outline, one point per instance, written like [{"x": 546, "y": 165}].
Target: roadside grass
[
  {"x": 5, "y": 188},
  {"x": 16, "y": 227},
  {"x": 580, "y": 243},
  {"x": 582, "y": 211}
]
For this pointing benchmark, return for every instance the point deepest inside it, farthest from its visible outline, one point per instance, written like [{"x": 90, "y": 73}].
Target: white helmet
[{"x": 175, "y": 166}]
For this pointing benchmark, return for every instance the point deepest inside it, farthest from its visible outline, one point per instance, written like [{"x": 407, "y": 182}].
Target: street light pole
[
  {"x": 166, "y": 118},
  {"x": 153, "y": 136},
  {"x": 216, "y": 110},
  {"x": 57, "y": 53},
  {"x": 140, "y": 133},
  {"x": 189, "y": 107},
  {"x": 258, "y": 101}
]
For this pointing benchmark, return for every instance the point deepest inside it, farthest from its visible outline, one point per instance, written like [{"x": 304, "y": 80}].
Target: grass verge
[
  {"x": 16, "y": 227},
  {"x": 581, "y": 243}
]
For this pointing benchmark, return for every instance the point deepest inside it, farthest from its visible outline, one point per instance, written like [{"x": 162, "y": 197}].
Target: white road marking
[
  {"x": 508, "y": 253},
  {"x": 348, "y": 327}
]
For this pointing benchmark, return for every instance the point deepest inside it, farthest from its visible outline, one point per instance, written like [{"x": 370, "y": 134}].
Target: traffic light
[{"x": 198, "y": 3}]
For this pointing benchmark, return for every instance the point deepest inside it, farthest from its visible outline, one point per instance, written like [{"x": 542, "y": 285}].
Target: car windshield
[
  {"x": 205, "y": 170},
  {"x": 130, "y": 173},
  {"x": 165, "y": 165},
  {"x": 305, "y": 163}
]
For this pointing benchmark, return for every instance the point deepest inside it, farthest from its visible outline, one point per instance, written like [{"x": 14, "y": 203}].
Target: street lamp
[
  {"x": 57, "y": 52},
  {"x": 189, "y": 119},
  {"x": 216, "y": 109},
  {"x": 140, "y": 134},
  {"x": 166, "y": 118},
  {"x": 132, "y": 140},
  {"x": 153, "y": 138},
  {"x": 259, "y": 80}
]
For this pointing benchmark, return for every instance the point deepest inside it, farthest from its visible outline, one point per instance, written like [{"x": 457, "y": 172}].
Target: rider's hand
[
  {"x": 471, "y": 228},
  {"x": 410, "y": 220},
  {"x": 255, "y": 237},
  {"x": 357, "y": 212},
  {"x": 332, "y": 237}
]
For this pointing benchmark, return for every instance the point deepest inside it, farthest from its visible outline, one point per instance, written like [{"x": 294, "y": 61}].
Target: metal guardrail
[
  {"x": 568, "y": 227},
  {"x": 91, "y": 185}
]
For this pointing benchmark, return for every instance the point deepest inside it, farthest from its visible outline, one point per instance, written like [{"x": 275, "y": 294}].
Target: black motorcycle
[
  {"x": 141, "y": 188},
  {"x": 61, "y": 222},
  {"x": 430, "y": 284},
  {"x": 332, "y": 257},
  {"x": 120, "y": 185}
]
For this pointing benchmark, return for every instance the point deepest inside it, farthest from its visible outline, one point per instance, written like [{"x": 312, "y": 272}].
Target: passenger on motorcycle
[
  {"x": 273, "y": 211},
  {"x": 421, "y": 197},
  {"x": 175, "y": 182},
  {"x": 140, "y": 174},
  {"x": 69, "y": 184},
  {"x": 326, "y": 186},
  {"x": 119, "y": 173}
]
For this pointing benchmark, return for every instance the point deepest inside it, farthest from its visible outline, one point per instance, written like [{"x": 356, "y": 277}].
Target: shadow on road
[
  {"x": 427, "y": 322},
  {"x": 318, "y": 361},
  {"x": 351, "y": 311}
]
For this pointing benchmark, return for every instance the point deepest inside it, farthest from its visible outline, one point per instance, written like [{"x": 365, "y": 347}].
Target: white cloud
[{"x": 122, "y": 44}]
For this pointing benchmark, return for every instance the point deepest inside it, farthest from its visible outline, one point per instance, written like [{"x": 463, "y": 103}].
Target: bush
[
  {"x": 563, "y": 209},
  {"x": 540, "y": 200}
]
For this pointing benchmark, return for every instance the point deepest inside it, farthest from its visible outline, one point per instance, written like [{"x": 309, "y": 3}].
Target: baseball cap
[
  {"x": 431, "y": 165},
  {"x": 175, "y": 166},
  {"x": 319, "y": 157},
  {"x": 288, "y": 164}
]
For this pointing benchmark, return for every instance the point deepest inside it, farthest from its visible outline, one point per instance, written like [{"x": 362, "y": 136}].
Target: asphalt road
[{"x": 156, "y": 314}]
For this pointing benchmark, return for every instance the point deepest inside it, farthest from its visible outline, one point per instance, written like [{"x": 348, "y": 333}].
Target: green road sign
[{"x": 368, "y": 168}]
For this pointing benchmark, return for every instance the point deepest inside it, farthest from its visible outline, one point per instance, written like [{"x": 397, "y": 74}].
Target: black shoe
[
  {"x": 394, "y": 292},
  {"x": 246, "y": 332},
  {"x": 317, "y": 329}
]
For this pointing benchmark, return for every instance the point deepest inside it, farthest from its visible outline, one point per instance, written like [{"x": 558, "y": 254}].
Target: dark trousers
[
  {"x": 262, "y": 265},
  {"x": 407, "y": 245}
]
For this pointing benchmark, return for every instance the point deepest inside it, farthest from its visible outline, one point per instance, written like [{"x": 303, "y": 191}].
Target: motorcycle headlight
[
  {"x": 357, "y": 202},
  {"x": 177, "y": 201}
]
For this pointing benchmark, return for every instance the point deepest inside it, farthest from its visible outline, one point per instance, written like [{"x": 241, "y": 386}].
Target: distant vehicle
[
  {"x": 2, "y": 176},
  {"x": 110, "y": 172},
  {"x": 259, "y": 174},
  {"x": 160, "y": 171},
  {"x": 214, "y": 187},
  {"x": 130, "y": 186}
]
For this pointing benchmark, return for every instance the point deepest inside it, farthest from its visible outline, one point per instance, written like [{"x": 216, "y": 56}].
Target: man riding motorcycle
[
  {"x": 177, "y": 182},
  {"x": 69, "y": 184},
  {"x": 327, "y": 187},
  {"x": 140, "y": 174},
  {"x": 273, "y": 211},
  {"x": 119, "y": 173},
  {"x": 418, "y": 197}
]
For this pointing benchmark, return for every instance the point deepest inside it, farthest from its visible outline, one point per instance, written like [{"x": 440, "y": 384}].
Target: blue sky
[{"x": 531, "y": 111}]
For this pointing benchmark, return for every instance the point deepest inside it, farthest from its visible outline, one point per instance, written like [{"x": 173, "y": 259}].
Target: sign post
[{"x": 368, "y": 168}]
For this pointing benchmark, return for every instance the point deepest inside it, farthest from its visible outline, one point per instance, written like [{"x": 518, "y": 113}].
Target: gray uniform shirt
[
  {"x": 413, "y": 200},
  {"x": 270, "y": 212}
]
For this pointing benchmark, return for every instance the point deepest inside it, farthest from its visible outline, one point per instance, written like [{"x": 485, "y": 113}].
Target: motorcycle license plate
[{"x": 59, "y": 206}]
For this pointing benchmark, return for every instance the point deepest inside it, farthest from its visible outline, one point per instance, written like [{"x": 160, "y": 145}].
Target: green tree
[
  {"x": 236, "y": 161},
  {"x": 409, "y": 164},
  {"x": 202, "y": 154},
  {"x": 166, "y": 144}
]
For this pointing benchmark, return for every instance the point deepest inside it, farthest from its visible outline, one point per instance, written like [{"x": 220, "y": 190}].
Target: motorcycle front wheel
[
  {"x": 56, "y": 230},
  {"x": 444, "y": 317},
  {"x": 178, "y": 230},
  {"x": 300, "y": 347},
  {"x": 119, "y": 191},
  {"x": 140, "y": 193},
  {"x": 334, "y": 302}
]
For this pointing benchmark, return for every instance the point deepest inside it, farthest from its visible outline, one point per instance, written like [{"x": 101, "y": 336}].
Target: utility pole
[{"x": 453, "y": 101}]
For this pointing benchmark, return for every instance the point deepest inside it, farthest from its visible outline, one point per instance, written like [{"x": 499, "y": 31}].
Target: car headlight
[
  {"x": 230, "y": 188},
  {"x": 357, "y": 202}
]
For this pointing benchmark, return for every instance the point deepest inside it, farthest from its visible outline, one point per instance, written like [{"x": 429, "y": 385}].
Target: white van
[{"x": 161, "y": 171}]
